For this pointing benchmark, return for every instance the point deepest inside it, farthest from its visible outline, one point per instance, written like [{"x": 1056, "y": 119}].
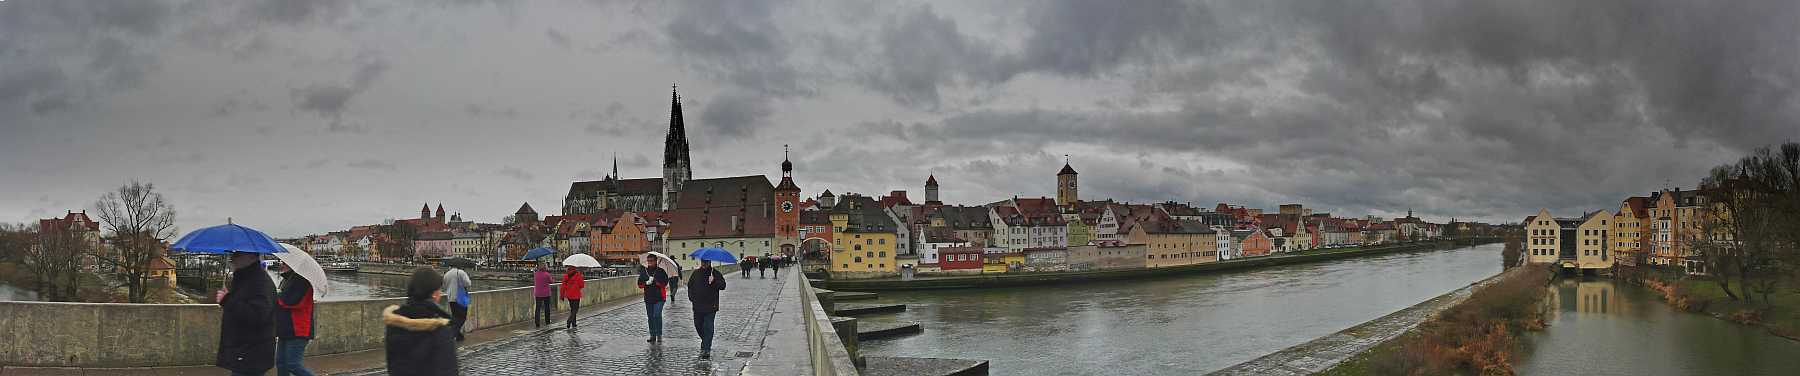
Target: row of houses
[{"x": 1658, "y": 229}]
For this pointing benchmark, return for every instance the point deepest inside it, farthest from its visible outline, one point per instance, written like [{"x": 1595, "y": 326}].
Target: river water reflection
[
  {"x": 1598, "y": 327},
  {"x": 1172, "y": 326}
]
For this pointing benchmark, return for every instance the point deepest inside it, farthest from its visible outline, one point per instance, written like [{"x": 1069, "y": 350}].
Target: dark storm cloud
[
  {"x": 330, "y": 100},
  {"x": 557, "y": 38},
  {"x": 740, "y": 42},
  {"x": 736, "y": 114},
  {"x": 917, "y": 52},
  {"x": 373, "y": 164}
]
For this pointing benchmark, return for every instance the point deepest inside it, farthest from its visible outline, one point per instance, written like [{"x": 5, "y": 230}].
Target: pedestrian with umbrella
[
  {"x": 703, "y": 292},
  {"x": 572, "y": 283},
  {"x": 419, "y": 340},
  {"x": 294, "y": 326},
  {"x": 775, "y": 264},
  {"x": 655, "y": 283},
  {"x": 668, "y": 265},
  {"x": 745, "y": 265},
  {"x": 247, "y": 305},
  {"x": 540, "y": 289}
]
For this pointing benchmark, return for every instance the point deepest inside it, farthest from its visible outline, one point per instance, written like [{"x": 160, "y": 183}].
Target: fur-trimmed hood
[{"x": 389, "y": 317}]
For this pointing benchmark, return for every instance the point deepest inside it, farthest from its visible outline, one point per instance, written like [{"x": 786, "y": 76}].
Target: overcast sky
[{"x": 302, "y": 117}]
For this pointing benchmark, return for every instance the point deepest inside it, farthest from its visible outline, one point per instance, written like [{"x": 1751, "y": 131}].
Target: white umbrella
[
  {"x": 581, "y": 260},
  {"x": 306, "y": 266},
  {"x": 667, "y": 264}
]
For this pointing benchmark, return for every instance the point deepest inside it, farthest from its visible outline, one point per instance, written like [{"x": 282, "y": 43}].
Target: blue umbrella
[
  {"x": 535, "y": 253},
  {"x": 227, "y": 238},
  {"x": 714, "y": 254}
]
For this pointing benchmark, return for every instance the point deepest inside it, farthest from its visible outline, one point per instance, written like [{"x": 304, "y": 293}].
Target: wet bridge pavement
[{"x": 613, "y": 342}]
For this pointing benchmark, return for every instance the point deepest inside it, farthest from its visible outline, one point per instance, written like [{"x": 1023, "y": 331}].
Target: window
[{"x": 858, "y": 259}]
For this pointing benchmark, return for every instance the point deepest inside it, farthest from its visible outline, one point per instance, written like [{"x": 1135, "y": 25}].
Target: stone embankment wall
[{"x": 51, "y": 334}]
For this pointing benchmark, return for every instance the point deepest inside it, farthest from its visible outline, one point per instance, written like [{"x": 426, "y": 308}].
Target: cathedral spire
[{"x": 676, "y": 167}]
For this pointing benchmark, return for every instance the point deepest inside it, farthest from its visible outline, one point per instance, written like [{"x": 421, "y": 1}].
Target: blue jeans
[
  {"x": 288, "y": 353},
  {"x": 703, "y": 324},
  {"x": 654, "y": 311}
]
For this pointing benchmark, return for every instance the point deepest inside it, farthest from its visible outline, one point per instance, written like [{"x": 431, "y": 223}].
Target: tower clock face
[
  {"x": 787, "y": 206},
  {"x": 1071, "y": 184}
]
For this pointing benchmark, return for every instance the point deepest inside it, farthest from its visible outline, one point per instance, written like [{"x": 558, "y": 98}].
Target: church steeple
[{"x": 676, "y": 167}]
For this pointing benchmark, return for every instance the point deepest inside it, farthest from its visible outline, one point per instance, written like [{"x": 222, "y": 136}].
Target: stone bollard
[{"x": 846, "y": 331}]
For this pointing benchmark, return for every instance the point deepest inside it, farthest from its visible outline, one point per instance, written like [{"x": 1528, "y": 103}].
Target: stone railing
[
  {"x": 801, "y": 338},
  {"x": 50, "y": 334}
]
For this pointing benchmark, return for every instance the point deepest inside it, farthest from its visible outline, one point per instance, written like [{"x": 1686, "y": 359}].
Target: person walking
[
  {"x": 246, "y": 321},
  {"x": 655, "y": 281},
  {"x": 745, "y": 265},
  {"x": 762, "y": 266},
  {"x": 456, "y": 285},
  {"x": 293, "y": 324},
  {"x": 776, "y": 265},
  {"x": 572, "y": 283},
  {"x": 419, "y": 340},
  {"x": 674, "y": 284},
  {"x": 540, "y": 289},
  {"x": 703, "y": 293}
]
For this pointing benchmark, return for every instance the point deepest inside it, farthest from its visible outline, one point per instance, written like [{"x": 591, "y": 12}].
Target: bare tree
[
  {"x": 139, "y": 221},
  {"x": 397, "y": 241}
]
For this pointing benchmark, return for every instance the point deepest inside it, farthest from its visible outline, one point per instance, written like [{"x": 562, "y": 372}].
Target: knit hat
[{"x": 424, "y": 281}]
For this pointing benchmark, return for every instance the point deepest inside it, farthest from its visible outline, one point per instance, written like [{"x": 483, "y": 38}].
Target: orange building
[
  {"x": 619, "y": 240},
  {"x": 1257, "y": 244}
]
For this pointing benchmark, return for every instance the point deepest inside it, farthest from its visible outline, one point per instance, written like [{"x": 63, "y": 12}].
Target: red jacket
[{"x": 571, "y": 286}]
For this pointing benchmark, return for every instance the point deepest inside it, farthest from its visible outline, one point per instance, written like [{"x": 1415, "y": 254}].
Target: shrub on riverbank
[
  {"x": 1478, "y": 336},
  {"x": 1780, "y": 314}
]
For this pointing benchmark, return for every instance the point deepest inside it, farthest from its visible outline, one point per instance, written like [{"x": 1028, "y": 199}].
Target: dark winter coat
[
  {"x": 705, "y": 295},
  {"x": 419, "y": 339},
  {"x": 654, "y": 281},
  {"x": 247, "y": 322},
  {"x": 295, "y": 318}
]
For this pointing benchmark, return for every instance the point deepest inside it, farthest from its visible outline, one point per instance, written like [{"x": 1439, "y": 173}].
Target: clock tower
[
  {"x": 1065, "y": 185},
  {"x": 787, "y": 209}
]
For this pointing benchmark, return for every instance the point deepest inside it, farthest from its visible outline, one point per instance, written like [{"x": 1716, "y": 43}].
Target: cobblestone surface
[
  {"x": 1325, "y": 352},
  {"x": 612, "y": 343}
]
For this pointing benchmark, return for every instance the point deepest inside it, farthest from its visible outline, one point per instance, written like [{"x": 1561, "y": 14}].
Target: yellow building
[
  {"x": 1078, "y": 231},
  {"x": 1002, "y": 262},
  {"x": 863, "y": 237},
  {"x": 1569, "y": 242},
  {"x": 1170, "y": 242},
  {"x": 1628, "y": 237}
]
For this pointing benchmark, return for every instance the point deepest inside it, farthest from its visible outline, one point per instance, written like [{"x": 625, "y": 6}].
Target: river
[
  {"x": 1180, "y": 325},
  {"x": 1598, "y": 327},
  {"x": 351, "y": 286},
  {"x": 13, "y": 293}
]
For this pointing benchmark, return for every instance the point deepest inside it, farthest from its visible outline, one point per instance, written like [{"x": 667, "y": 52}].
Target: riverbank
[
  {"x": 1325, "y": 353},
  {"x": 1479, "y": 335},
  {"x": 1780, "y": 315},
  {"x": 1035, "y": 279}
]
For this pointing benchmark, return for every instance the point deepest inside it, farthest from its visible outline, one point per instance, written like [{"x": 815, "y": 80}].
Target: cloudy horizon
[{"x": 306, "y": 117}]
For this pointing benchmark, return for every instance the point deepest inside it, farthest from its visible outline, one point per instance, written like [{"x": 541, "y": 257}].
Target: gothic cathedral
[{"x": 676, "y": 169}]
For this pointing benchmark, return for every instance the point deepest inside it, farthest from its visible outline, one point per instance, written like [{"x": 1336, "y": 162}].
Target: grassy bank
[
  {"x": 1780, "y": 315},
  {"x": 1478, "y": 336}
]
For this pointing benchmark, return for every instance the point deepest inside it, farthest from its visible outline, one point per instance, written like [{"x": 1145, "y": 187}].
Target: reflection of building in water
[{"x": 1597, "y": 296}]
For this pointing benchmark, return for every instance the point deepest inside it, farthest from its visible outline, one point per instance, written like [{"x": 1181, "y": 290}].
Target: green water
[{"x": 1598, "y": 327}]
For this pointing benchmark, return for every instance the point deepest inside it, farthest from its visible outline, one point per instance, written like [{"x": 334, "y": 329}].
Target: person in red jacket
[
  {"x": 572, "y": 284},
  {"x": 293, "y": 324}
]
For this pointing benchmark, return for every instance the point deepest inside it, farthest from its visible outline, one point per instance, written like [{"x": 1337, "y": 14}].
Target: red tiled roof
[{"x": 740, "y": 206}]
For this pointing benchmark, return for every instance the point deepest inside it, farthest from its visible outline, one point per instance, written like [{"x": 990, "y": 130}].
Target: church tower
[
  {"x": 787, "y": 215},
  {"x": 425, "y": 211},
  {"x": 676, "y": 169},
  {"x": 1065, "y": 185},
  {"x": 931, "y": 188}
]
